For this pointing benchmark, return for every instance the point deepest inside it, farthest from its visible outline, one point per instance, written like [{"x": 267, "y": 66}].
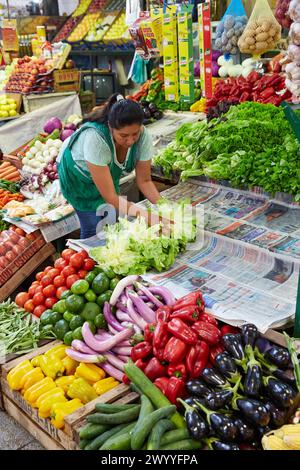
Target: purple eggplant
[
  {"x": 195, "y": 422},
  {"x": 217, "y": 400},
  {"x": 278, "y": 356},
  {"x": 281, "y": 393},
  {"x": 224, "y": 426},
  {"x": 220, "y": 445},
  {"x": 253, "y": 381},
  {"x": 278, "y": 417},
  {"x": 225, "y": 364},
  {"x": 253, "y": 411},
  {"x": 233, "y": 345},
  {"x": 212, "y": 377},
  {"x": 262, "y": 345},
  {"x": 286, "y": 376},
  {"x": 245, "y": 433},
  {"x": 249, "y": 334},
  {"x": 191, "y": 401},
  {"x": 197, "y": 387}
]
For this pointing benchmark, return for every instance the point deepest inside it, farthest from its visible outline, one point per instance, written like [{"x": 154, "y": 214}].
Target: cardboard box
[
  {"x": 152, "y": 32},
  {"x": 66, "y": 80}
]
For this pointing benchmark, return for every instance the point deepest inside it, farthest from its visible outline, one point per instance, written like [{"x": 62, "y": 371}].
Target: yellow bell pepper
[
  {"x": 59, "y": 351},
  {"x": 105, "y": 385},
  {"x": 51, "y": 366},
  {"x": 65, "y": 382},
  {"x": 90, "y": 372},
  {"x": 60, "y": 410},
  {"x": 69, "y": 365},
  {"x": 32, "y": 377},
  {"x": 35, "y": 391},
  {"x": 48, "y": 399},
  {"x": 16, "y": 375},
  {"x": 36, "y": 361},
  {"x": 81, "y": 389}
]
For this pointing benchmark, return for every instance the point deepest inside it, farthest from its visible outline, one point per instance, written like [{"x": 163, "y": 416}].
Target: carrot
[
  {"x": 7, "y": 172},
  {"x": 14, "y": 174},
  {"x": 15, "y": 179},
  {"x": 4, "y": 165}
]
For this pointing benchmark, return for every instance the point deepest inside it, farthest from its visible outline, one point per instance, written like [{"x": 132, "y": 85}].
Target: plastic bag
[
  {"x": 262, "y": 31},
  {"x": 231, "y": 27},
  {"x": 294, "y": 10},
  {"x": 295, "y": 34},
  {"x": 138, "y": 70},
  {"x": 282, "y": 13}
]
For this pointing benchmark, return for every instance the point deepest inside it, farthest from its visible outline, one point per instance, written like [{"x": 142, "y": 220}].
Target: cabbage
[{"x": 52, "y": 124}]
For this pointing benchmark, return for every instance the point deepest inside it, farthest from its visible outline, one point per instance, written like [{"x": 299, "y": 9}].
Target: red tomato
[
  {"x": 53, "y": 272},
  {"x": 46, "y": 270},
  {"x": 82, "y": 273},
  {"x": 35, "y": 283},
  {"x": 21, "y": 298},
  {"x": 77, "y": 261},
  {"x": 60, "y": 290},
  {"x": 31, "y": 236},
  {"x": 46, "y": 280},
  {"x": 67, "y": 253},
  {"x": 84, "y": 254},
  {"x": 10, "y": 256},
  {"x": 68, "y": 271},
  {"x": 29, "y": 306},
  {"x": 3, "y": 262},
  {"x": 50, "y": 301},
  {"x": 60, "y": 264},
  {"x": 39, "y": 310},
  {"x": 31, "y": 291},
  {"x": 14, "y": 237},
  {"x": 88, "y": 264},
  {"x": 59, "y": 281},
  {"x": 19, "y": 231},
  {"x": 71, "y": 279},
  {"x": 17, "y": 250},
  {"x": 8, "y": 245},
  {"x": 49, "y": 291},
  {"x": 38, "y": 299},
  {"x": 38, "y": 289},
  {"x": 2, "y": 250},
  {"x": 40, "y": 275},
  {"x": 23, "y": 243}
]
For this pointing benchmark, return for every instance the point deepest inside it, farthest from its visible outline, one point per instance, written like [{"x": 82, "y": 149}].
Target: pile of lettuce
[
  {"x": 133, "y": 247},
  {"x": 253, "y": 145}
]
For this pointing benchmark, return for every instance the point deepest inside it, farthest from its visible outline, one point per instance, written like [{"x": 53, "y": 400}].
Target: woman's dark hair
[{"x": 117, "y": 114}]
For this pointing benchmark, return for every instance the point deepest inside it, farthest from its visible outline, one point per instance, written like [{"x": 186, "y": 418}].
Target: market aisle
[{"x": 15, "y": 437}]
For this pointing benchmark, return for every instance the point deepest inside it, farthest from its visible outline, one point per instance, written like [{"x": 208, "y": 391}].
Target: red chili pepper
[
  {"x": 161, "y": 334},
  {"x": 162, "y": 384},
  {"x": 255, "y": 96},
  {"x": 174, "y": 351},
  {"x": 182, "y": 331},
  {"x": 275, "y": 100},
  {"x": 194, "y": 299},
  {"x": 246, "y": 96},
  {"x": 159, "y": 353},
  {"x": 141, "y": 364},
  {"x": 214, "y": 351},
  {"x": 208, "y": 319},
  {"x": 175, "y": 389},
  {"x": 228, "y": 329},
  {"x": 208, "y": 332},
  {"x": 140, "y": 351},
  {"x": 178, "y": 370},
  {"x": 155, "y": 369},
  {"x": 196, "y": 359},
  {"x": 163, "y": 313},
  {"x": 149, "y": 332},
  {"x": 253, "y": 77},
  {"x": 189, "y": 314},
  {"x": 267, "y": 93}
]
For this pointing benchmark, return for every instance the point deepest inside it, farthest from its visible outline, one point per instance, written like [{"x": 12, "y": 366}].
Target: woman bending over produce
[{"x": 111, "y": 141}]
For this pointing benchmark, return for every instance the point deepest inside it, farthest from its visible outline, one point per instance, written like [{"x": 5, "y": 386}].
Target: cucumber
[
  {"x": 146, "y": 409},
  {"x": 174, "y": 436},
  {"x": 121, "y": 440},
  {"x": 83, "y": 443},
  {"x": 115, "y": 418},
  {"x": 158, "y": 399},
  {"x": 157, "y": 432},
  {"x": 186, "y": 444},
  {"x": 144, "y": 427},
  {"x": 89, "y": 431},
  {"x": 99, "y": 440},
  {"x": 108, "y": 408}
]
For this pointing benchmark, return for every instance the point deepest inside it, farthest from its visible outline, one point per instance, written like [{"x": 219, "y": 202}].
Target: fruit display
[
  {"x": 100, "y": 28},
  {"x": 82, "y": 8},
  {"x": 13, "y": 244},
  {"x": 118, "y": 33},
  {"x": 65, "y": 31},
  {"x": 8, "y": 107},
  {"x": 96, "y": 6},
  {"x": 30, "y": 75},
  {"x": 6, "y": 73},
  {"x": 81, "y": 30}
]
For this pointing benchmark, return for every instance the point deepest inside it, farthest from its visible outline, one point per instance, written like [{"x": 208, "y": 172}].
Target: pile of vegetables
[
  {"x": 13, "y": 243},
  {"x": 254, "y": 146},
  {"x": 9, "y": 172},
  {"x": 7, "y": 195},
  {"x": 228, "y": 32},
  {"x": 134, "y": 248},
  {"x": 282, "y": 13},
  {"x": 293, "y": 56}
]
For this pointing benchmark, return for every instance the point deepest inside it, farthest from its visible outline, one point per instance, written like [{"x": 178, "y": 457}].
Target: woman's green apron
[{"x": 77, "y": 184}]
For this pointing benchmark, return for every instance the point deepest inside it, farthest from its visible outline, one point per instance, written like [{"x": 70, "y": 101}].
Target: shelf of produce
[
  {"x": 41, "y": 428},
  {"x": 21, "y": 274}
]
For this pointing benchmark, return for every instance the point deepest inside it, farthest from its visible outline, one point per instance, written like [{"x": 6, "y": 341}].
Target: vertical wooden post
[{"x": 297, "y": 313}]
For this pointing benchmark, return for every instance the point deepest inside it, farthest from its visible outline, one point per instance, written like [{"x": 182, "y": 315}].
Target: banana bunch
[{"x": 285, "y": 438}]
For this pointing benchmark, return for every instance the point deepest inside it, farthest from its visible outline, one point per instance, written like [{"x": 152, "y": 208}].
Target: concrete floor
[{"x": 15, "y": 437}]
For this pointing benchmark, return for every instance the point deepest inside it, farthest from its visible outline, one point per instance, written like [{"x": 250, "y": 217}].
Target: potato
[
  {"x": 272, "y": 32},
  {"x": 262, "y": 37},
  {"x": 249, "y": 40},
  {"x": 252, "y": 47},
  {"x": 259, "y": 30},
  {"x": 266, "y": 24},
  {"x": 260, "y": 46}
]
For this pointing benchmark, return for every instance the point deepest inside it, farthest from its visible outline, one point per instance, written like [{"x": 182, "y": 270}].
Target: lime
[
  {"x": 61, "y": 328},
  {"x": 68, "y": 338},
  {"x": 60, "y": 306},
  {"x": 76, "y": 321},
  {"x": 49, "y": 317},
  {"x": 65, "y": 294},
  {"x": 90, "y": 277},
  {"x": 100, "y": 283},
  {"x": 105, "y": 297},
  {"x": 90, "y": 296},
  {"x": 97, "y": 270},
  {"x": 100, "y": 321},
  {"x": 75, "y": 303},
  {"x": 109, "y": 273},
  {"x": 77, "y": 333},
  {"x": 68, "y": 316},
  {"x": 90, "y": 311},
  {"x": 80, "y": 287},
  {"x": 113, "y": 283}
]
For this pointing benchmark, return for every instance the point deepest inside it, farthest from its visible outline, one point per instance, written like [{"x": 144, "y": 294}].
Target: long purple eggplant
[
  {"x": 142, "y": 308},
  {"x": 164, "y": 293},
  {"x": 114, "y": 361},
  {"x": 106, "y": 345},
  {"x": 112, "y": 371},
  {"x": 118, "y": 290},
  {"x": 124, "y": 351},
  {"x": 88, "y": 358},
  {"x": 109, "y": 317},
  {"x": 122, "y": 316},
  {"x": 136, "y": 318},
  {"x": 82, "y": 347},
  {"x": 149, "y": 294}
]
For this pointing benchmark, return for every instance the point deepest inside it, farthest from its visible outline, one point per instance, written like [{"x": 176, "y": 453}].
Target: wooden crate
[
  {"x": 66, "y": 80},
  {"x": 33, "y": 102},
  {"x": 42, "y": 429}
]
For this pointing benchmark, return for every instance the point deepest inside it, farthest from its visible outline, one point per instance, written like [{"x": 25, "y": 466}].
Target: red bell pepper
[
  {"x": 182, "y": 331},
  {"x": 175, "y": 389},
  {"x": 174, "y": 351},
  {"x": 178, "y": 370},
  {"x": 253, "y": 77},
  {"x": 141, "y": 364},
  {"x": 159, "y": 353},
  {"x": 161, "y": 334},
  {"x": 189, "y": 314},
  {"x": 149, "y": 332},
  {"x": 163, "y": 313},
  {"x": 141, "y": 351},
  {"x": 214, "y": 351},
  {"x": 162, "y": 384},
  {"x": 228, "y": 329},
  {"x": 155, "y": 369},
  {"x": 194, "y": 299},
  {"x": 267, "y": 93},
  {"x": 197, "y": 358},
  {"x": 246, "y": 96},
  {"x": 125, "y": 380},
  {"x": 208, "y": 319},
  {"x": 208, "y": 332}
]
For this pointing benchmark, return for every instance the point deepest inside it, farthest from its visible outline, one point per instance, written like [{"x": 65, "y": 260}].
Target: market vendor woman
[{"x": 112, "y": 141}]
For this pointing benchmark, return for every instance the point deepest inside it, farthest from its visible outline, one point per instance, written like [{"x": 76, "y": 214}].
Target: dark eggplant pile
[
  {"x": 151, "y": 112},
  {"x": 249, "y": 390}
]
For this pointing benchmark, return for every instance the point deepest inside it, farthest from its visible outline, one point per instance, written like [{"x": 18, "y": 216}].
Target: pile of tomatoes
[{"x": 49, "y": 285}]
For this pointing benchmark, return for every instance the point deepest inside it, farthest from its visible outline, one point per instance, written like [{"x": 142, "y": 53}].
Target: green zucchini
[
  {"x": 186, "y": 444},
  {"x": 157, "y": 432},
  {"x": 174, "y": 436},
  {"x": 115, "y": 418},
  {"x": 89, "y": 431},
  {"x": 158, "y": 399},
  {"x": 109, "y": 408},
  {"x": 99, "y": 440},
  {"x": 142, "y": 430}
]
